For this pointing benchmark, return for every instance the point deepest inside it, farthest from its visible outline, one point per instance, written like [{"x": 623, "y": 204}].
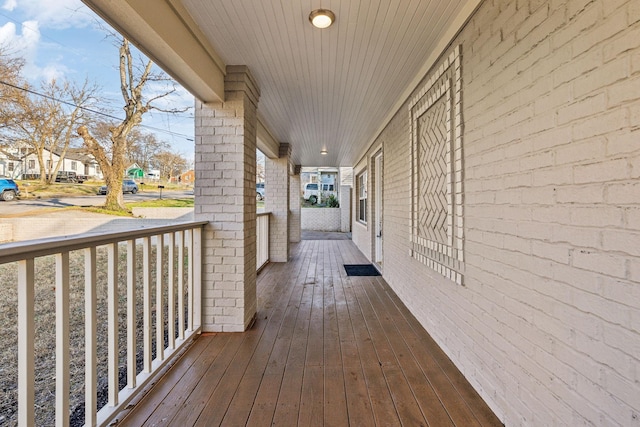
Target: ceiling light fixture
[
  {"x": 324, "y": 152},
  {"x": 322, "y": 18}
]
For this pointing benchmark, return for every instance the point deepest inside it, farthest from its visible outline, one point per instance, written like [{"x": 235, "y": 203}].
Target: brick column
[
  {"x": 295, "y": 205},
  {"x": 276, "y": 201},
  {"x": 345, "y": 208},
  {"x": 225, "y": 195}
]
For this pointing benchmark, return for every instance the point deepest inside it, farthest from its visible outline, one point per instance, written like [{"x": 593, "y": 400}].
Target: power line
[{"x": 71, "y": 104}]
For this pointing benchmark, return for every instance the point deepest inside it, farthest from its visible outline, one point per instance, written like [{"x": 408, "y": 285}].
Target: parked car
[
  {"x": 128, "y": 186},
  {"x": 312, "y": 192},
  {"x": 69, "y": 176},
  {"x": 260, "y": 191},
  {"x": 8, "y": 189}
]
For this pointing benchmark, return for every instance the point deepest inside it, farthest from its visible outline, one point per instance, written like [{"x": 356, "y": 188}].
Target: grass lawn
[
  {"x": 162, "y": 203},
  {"x": 34, "y": 189}
]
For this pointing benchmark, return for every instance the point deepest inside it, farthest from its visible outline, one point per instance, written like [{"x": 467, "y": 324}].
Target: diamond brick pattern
[
  {"x": 437, "y": 218},
  {"x": 432, "y": 173}
]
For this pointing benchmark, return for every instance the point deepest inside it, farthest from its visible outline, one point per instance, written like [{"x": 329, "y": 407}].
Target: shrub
[{"x": 332, "y": 201}]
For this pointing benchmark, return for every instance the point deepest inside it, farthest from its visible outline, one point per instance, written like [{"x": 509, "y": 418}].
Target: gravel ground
[{"x": 45, "y": 335}]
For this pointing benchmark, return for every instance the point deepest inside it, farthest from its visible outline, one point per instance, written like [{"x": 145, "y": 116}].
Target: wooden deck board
[{"x": 326, "y": 350}]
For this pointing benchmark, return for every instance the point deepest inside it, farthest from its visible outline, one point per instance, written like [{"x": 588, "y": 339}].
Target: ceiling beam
[
  {"x": 167, "y": 34},
  {"x": 266, "y": 143}
]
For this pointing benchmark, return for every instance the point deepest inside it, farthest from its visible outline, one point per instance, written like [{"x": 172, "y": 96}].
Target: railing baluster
[
  {"x": 171, "y": 302},
  {"x": 62, "y": 339},
  {"x": 146, "y": 303},
  {"x": 26, "y": 338},
  {"x": 131, "y": 313},
  {"x": 112, "y": 322},
  {"x": 181, "y": 239},
  {"x": 90, "y": 306},
  {"x": 190, "y": 281},
  {"x": 196, "y": 286},
  {"x": 262, "y": 240},
  {"x": 159, "y": 302},
  {"x": 187, "y": 237}
]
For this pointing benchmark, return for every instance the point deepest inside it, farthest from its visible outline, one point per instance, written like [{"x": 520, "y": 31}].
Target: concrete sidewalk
[{"x": 71, "y": 222}]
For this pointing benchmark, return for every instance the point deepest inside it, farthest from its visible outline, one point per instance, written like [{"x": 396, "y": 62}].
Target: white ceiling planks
[{"x": 326, "y": 88}]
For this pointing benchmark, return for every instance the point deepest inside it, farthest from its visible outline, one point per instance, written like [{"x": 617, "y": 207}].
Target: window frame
[{"x": 362, "y": 207}]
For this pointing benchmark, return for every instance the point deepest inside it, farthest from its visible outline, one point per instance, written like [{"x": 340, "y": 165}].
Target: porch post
[
  {"x": 295, "y": 206},
  {"x": 277, "y": 202},
  {"x": 225, "y": 195}
]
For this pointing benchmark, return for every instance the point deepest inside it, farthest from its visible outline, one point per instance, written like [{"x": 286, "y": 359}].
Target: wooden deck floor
[{"x": 326, "y": 349}]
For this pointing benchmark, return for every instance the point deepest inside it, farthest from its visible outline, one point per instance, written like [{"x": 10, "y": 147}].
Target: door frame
[{"x": 378, "y": 188}]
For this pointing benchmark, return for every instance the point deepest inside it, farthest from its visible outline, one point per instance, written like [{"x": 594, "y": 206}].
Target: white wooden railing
[
  {"x": 262, "y": 239},
  {"x": 177, "y": 246}
]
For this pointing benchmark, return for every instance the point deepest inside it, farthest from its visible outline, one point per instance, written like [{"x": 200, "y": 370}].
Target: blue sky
[{"x": 64, "y": 39}]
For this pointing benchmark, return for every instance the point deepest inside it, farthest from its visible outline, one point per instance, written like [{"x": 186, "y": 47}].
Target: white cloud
[
  {"x": 59, "y": 14},
  {"x": 10, "y": 5},
  {"x": 25, "y": 45}
]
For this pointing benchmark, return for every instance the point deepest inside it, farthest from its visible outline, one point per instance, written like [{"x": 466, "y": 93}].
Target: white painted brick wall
[
  {"x": 547, "y": 328},
  {"x": 277, "y": 202},
  {"x": 225, "y": 195},
  {"x": 345, "y": 208},
  {"x": 295, "y": 205},
  {"x": 321, "y": 219}
]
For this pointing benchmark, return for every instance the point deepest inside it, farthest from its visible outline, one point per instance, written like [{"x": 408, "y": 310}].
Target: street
[{"x": 17, "y": 207}]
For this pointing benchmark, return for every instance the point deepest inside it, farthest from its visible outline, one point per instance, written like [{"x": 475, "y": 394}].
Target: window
[
  {"x": 23, "y": 151},
  {"x": 32, "y": 164},
  {"x": 74, "y": 166},
  {"x": 362, "y": 197},
  {"x": 10, "y": 166},
  {"x": 97, "y": 169}
]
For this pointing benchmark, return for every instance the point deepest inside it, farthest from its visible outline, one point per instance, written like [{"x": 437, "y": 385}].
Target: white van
[{"x": 311, "y": 192}]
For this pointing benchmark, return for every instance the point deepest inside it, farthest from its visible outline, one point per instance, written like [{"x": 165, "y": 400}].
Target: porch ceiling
[{"x": 332, "y": 88}]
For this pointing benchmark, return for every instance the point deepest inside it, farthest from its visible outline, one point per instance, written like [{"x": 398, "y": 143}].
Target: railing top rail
[
  {"x": 263, "y": 213},
  {"x": 16, "y": 251}
]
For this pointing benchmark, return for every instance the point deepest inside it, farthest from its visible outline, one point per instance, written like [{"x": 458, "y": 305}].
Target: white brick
[
  {"x": 603, "y": 171},
  {"x": 551, "y": 202}
]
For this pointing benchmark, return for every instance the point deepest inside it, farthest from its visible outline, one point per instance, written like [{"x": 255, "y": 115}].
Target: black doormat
[{"x": 361, "y": 270}]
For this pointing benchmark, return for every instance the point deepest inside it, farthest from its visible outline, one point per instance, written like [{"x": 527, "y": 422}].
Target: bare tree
[
  {"x": 170, "y": 164},
  {"x": 10, "y": 93},
  {"x": 134, "y": 77},
  {"x": 46, "y": 122},
  {"x": 143, "y": 147}
]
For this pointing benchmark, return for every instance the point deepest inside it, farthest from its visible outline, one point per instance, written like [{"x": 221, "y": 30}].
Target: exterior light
[{"x": 322, "y": 18}]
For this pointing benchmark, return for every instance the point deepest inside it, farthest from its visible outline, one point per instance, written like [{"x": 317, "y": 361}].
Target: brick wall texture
[
  {"x": 547, "y": 326},
  {"x": 321, "y": 219},
  {"x": 225, "y": 195},
  {"x": 277, "y": 202},
  {"x": 345, "y": 208},
  {"x": 294, "y": 208}
]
